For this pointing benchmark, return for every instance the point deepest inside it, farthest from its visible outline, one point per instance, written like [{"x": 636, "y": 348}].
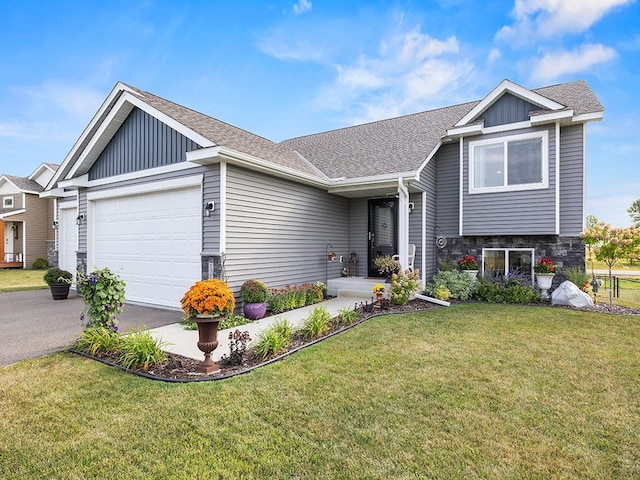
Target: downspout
[{"x": 403, "y": 224}]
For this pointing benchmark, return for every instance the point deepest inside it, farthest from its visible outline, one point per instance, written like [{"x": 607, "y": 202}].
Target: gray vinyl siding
[
  {"x": 277, "y": 230},
  {"x": 358, "y": 233},
  {"x": 529, "y": 212},
  {"x": 141, "y": 142},
  {"x": 508, "y": 109},
  {"x": 447, "y": 165},
  {"x": 571, "y": 180},
  {"x": 415, "y": 228},
  {"x": 211, "y": 224}
]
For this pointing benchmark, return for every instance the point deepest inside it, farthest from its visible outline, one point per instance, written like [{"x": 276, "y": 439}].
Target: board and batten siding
[
  {"x": 277, "y": 230},
  {"x": 447, "y": 166},
  {"x": 141, "y": 142},
  {"x": 571, "y": 180},
  {"x": 508, "y": 109},
  {"x": 528, "y": 212}
]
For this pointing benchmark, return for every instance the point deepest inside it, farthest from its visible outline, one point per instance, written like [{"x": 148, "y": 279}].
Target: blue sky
[{"x": 282, "y": 69}]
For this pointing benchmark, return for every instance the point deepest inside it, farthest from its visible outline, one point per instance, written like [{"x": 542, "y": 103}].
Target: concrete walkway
[{"x": 184, "y": 342}]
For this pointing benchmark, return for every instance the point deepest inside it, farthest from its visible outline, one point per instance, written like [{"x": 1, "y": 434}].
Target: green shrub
[
  {"x": 403, "y": 285},
  {"x": 579, "y": 277},
  {"x": 348, "y": 315},
  {"x": 97, "y": 340},
  {"x": 507, "y": 291},
  {"x": 57, "y": 275},
  {"x": 442, "y": 293},
  {"x": 292, "y": 296},
  {"x": 254, "y": 291},
  {"x": 459, "y": 284},
  {"x": 316, "y": 324},
  {"x": 40, "y": 263},
  {"x": 226, "y": 322},
  {"x": 141, "y": 350},
  {"x": 274, "y": 339},
  {"x": 103, "y": 295}
]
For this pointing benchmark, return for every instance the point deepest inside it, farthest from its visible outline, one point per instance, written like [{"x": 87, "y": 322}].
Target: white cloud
[
  {"x": 494, "y": 55},
  {"x": 549, "y": 18},
  {"x": 410, "y": 71},
  {"x": 555, "y": 64},
  {"x": 301, "y": 7}
]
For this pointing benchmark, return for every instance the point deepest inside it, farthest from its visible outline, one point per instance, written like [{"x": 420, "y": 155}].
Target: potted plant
[
  {"x": 205, "y": 303},
  {"x": 386, "y": 265},
  {"x": 469, "y": 265},
  {"x": 254, "y": 294},
  {"x": 379, "y": 290},
  {"x": 545, "y": 270},
  {"x": 59, "y": 282}
]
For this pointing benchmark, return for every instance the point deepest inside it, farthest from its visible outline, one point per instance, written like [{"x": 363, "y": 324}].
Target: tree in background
[
  {"x": 634, "y": 212},
  {"x": 611, "y": 244}
]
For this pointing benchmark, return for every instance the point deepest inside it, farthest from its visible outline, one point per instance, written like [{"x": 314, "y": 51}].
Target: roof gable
[{"x": 22, "y": 184}]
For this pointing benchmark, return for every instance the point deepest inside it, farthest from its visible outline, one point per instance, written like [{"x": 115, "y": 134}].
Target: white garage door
[
  {"x": 67, "y": 238},
  {"x": 152, "y": 241}
]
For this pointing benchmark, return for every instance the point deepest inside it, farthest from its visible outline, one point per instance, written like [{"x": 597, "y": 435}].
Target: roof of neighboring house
[
  {"x": 24, "y": 183},
  {"x": 223, "y": 134},
  {"x": 402, "y": 144}
]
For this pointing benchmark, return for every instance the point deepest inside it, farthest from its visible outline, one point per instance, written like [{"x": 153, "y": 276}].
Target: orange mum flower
[{"x": 208, "y": 297}]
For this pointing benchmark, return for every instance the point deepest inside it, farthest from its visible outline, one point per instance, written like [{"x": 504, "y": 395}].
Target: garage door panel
[{"x": 153, "y": 241}]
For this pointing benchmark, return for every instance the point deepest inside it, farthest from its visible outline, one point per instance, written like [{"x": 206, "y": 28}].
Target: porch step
[
  {"x": 353, "y": 286},
  {"x": 355, "y": 293}
]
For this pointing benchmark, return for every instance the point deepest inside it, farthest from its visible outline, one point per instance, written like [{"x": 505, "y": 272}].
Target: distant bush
[{"x": 40, "y": 263}]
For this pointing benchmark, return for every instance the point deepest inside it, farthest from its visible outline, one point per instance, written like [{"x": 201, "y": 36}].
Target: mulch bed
[{"x": 178, "y": 368}]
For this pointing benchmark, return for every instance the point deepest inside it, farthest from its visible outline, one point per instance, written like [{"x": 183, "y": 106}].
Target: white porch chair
[{"x": 411, "y": 256}]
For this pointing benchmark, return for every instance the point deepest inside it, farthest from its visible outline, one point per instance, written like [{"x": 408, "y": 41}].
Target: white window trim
[
  {"x": 544, "y": 135},
  {"x": 6, "y": 201},
  {"x": 506, "y": 257}
]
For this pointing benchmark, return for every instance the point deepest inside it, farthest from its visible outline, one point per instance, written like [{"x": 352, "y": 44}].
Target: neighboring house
[
  {"x": 165, "y": 195},
  {"x": 26, "y": 220}
]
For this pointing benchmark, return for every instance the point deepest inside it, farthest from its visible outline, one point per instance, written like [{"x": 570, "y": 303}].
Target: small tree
[
  {"x": 611, "y": 244},
  {"x": 634, "y": 212}
]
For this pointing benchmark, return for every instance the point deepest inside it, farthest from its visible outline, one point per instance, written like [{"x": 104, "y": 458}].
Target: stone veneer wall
[
  {"x": 81, "y": 262},
  {"x": 52, "y": 253},
  {"x": 566, "y": 252},
  {"x": 212, "y": 267}
]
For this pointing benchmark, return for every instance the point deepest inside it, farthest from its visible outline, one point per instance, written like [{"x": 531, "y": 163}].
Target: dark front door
[{"x": 383, "y": 234}]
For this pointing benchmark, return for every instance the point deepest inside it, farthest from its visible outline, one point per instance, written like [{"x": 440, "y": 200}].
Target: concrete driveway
[{"x": 33, "y": 324}]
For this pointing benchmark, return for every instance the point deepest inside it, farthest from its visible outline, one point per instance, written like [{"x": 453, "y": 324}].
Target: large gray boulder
[{"x": 569, "y": 294}]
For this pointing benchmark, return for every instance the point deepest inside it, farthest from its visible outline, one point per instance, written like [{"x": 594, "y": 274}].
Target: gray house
[{"x": 164, "y": 195}]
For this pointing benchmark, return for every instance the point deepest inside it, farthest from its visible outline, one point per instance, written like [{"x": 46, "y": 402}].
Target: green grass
[
  {"x": 12, "y": 280},
  {"x": 472, "y": 391}
]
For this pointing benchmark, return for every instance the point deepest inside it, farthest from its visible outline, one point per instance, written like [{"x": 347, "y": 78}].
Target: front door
[{"x": 383, "y": 232}]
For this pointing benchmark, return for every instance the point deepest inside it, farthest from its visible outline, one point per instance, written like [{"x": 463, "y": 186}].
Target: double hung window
[{"x": 519, "y": 162}]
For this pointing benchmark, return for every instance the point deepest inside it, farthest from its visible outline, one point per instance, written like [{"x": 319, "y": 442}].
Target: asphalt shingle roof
[
  {"x": 24, "y": 183},
  {"x": 223, "y": 134},
  {"x": 402, "y": 144}
]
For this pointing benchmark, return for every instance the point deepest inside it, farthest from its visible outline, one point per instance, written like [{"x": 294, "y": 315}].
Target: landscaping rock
[{"x": 569, "y": 294}]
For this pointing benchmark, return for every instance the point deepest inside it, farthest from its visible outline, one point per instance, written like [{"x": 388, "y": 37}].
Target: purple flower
[{"x": 115, "y": 328}]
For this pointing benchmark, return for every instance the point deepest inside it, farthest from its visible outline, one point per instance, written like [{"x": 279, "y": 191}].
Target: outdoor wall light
[
  {"x": 208, "y": 208},
  {"x": 80, "y": 218},
  {"x": 411, "y": 206},
  {"x": 54, "y": 225}
]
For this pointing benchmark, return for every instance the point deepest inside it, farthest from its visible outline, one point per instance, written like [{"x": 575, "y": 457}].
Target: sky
[{"x": 282, "y": 69}]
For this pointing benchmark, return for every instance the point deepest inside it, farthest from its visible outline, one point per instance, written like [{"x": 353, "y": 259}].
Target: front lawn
[
  {"x": 471, "y": 391},
  {"x": 15, "y": 279}
]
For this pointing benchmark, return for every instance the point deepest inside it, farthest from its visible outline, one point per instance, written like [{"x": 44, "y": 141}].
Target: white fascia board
[
  {"x": 37, "y": 171},
  {"x": 77, "y": 182},
  {"x": 514, "y": 89},
  {"x": 11, "y": 214},
  {"x": 428, "y": 159},
  {"x": 162, "y": 185},
  {"x": 550, "y": 117},
  {"x": 216, "y": 154},
  {"x": 123, "y": 107},
  {"x": 465, "y": 130},
  {"x": 140, "y": 174},
  {"x": 56, "y": 193},
  {"x": 374, "y": 182},
  {"x": 588, "y": 117},
  {"x": 117, "y": 90}
]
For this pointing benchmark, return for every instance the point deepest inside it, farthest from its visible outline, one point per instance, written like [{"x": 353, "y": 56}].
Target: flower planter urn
[
  {"x": 207, "y": 341},
  {"x": 59, "y": 291},
  {"x": 254, "y": 311},
  {"x": 544, "y": 281},
  {"x": 472, "y": 273}
]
